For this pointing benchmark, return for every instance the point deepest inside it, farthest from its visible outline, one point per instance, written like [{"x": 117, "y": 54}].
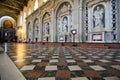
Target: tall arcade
[{"x": 59, "y": 39}]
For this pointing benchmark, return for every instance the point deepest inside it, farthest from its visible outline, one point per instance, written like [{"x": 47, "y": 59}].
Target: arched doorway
[
  {"x": 64, "y": 22},
  {"x": 7, "y": 29}
]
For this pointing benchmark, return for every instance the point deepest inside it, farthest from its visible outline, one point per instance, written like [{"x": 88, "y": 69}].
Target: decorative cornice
[
  {"x": 42, "y": 8},
  {"x": 92, "y": 2}
]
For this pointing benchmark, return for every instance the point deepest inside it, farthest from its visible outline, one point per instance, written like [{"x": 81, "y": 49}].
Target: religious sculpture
[
  {"x": 65, "y": 25},
  {"x": 47, "y": 28},
  {"x": 98, "y": 17},
  {"x": 44, "y": 30},
  {"x": 36, "y": 31},
  {"x": 30, "y": 34}
]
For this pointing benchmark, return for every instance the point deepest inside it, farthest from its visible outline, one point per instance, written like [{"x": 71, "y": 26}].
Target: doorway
[{"x": 7, "y": 31}]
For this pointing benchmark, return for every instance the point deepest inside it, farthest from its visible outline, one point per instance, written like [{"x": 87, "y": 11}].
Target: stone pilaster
[
  {"x": 40, "y": 30},
  {"x": 52, "y": 27},
  {"x": 118, "y": 21},
  {"x": 76, "y": 17}
]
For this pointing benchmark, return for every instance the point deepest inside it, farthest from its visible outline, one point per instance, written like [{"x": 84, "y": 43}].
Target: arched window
[
  {"x": 44, "y": 0},
  {"x": 36, "y": 4}
]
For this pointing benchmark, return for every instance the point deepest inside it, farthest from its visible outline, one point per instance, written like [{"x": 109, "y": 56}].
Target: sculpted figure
[
  {"x": 98, "y": 17},
  {"x": 47, "y": 28},
  {"x": 36, "y": 31},
  {"x": 65, "y": 25}
]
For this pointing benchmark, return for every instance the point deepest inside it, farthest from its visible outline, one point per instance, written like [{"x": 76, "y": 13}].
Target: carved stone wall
[
  {"x": 36, "y": 30},
  {"x": 29, "y": 34},
  {"x": 100, "y": 21},
  {"x": 64, "y": 22},
  {"x": 91, "y": 18},
  {"x": 46, "y": 24}
]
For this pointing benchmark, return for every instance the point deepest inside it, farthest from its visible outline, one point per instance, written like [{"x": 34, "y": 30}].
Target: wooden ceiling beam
[
  {"x": 12, "y": 7},
  {"x": 3, "y": 4},
  {"x": 18, "y": 2},
  {"x": 11, "y": 11}
]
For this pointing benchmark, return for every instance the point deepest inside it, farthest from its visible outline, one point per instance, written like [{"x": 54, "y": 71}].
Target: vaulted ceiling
[{"x": 12, "y": 7}]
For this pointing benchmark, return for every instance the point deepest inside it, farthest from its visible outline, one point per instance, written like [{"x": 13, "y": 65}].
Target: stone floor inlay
[{"x": 41, "y": 62}]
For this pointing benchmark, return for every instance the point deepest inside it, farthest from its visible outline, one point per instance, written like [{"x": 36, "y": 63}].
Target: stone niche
[
  {"x": 64, "y": 21},
  {"x": 99, "y": 21},
  {"x": 46, "y": 27}
]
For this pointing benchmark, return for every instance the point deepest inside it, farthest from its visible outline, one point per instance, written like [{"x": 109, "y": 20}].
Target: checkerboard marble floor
[{"x": 39, "y": 62}]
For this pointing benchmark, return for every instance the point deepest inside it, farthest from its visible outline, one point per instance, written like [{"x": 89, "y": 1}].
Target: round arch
[
  {"x": 7, "y": 29},
  {"x": 46, "y": 22},
  {"x": 28, "y": 32},
  {"x": 4, "y": 18},
  {"x": 44, "y": 14},
  {"x": 35, "y": 30},
  {"x": 60, "y": 3},
  {"x": 35, "y": 20},
  {"x": 63, "y": 19}
]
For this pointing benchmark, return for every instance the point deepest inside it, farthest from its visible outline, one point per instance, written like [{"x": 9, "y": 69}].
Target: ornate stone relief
[
  {"x": 98, "y": 17},
  {"x": 64, "y": 21},
  {"x": 93, "y": 2},
  {"x": 29, "y": 33},
  {"x": 98, "y": 25},
  {"x": 114, "y": 18},
  {"x": 46, "y": 27},
  {"x": 36, "y": 29}
]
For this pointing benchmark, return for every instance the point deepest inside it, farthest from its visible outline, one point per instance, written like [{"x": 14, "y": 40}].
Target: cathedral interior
[{"x": 59, "y": 39}]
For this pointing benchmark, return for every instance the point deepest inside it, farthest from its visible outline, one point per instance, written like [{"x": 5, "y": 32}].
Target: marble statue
[
  {"x": 30, "y": 34},
  {"x": 36, "y": 31},
  {"x": 65, "y": 25},
  {"x": 44, "y": 30},
  {"x": 47, "y": 28},
  {"x": 98, "y": 17}
]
